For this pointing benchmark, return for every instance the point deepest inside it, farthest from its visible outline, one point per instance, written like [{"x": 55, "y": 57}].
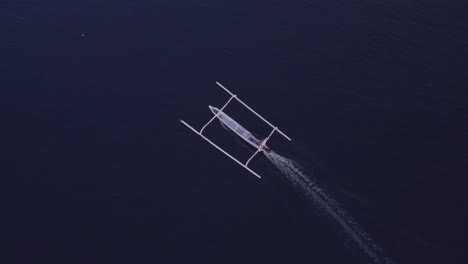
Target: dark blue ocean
[{"x": 97, "y": 168}]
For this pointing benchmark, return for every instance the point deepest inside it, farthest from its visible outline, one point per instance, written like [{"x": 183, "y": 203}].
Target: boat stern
[{"x": 266, "y": 149}]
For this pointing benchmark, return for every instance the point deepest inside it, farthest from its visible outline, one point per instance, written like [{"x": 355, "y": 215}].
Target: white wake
[{"x": 319, "y": 197}]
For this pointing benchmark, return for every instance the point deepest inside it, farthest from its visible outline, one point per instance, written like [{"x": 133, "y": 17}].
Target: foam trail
[{"x": 294, "y": 174}]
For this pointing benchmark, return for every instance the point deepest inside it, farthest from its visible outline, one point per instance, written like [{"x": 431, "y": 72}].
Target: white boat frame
[{"x": 260, "y": 148}]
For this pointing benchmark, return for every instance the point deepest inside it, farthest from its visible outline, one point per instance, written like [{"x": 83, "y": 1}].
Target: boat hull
[{"x": 238, "y": 129}]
